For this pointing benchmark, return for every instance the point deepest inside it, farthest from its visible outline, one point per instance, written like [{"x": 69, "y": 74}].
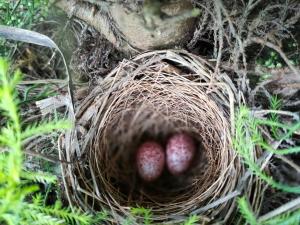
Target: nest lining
[{"x": 150, "y": 98}]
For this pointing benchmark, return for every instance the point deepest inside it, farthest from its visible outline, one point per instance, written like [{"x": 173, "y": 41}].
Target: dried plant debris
[
  {"x": 94, "y": 57},
  {"x": 235, "y": 26},
  {"x": 39, "y": 63},
  {"x": 88, "y": 54},
  {"x": 277, "y": 82},
  {"x": 274, "y": 199}
]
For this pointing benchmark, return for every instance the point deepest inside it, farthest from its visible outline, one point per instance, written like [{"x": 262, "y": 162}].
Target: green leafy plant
[
  {"x": 246, "y": 211},
  {"x": 275, "y": 104},
  {"x": 286, "y": 218},
  {"x": 22, "y": 13},
  {"x": 20, "y": 202},
  {"x": 192, "y": 220},
  {"x": 143, "y": 216},
  {"x": 145, "y": 213},
  {"x": 139, "y": 214},
  {"x": 31, "y": 96},
  {"x": 248, "y": 136},
  {"x": 271, "y": 60}
]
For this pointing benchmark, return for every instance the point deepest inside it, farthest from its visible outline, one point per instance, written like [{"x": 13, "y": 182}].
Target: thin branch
[
  {"x": 290, "y": 162},
  {"x": 277, "y": 49},
  {"x": 47, "y": 157},
  {"x": 292, "y": 205}
]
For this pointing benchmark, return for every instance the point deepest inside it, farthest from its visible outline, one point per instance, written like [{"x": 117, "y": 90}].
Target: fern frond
[
  {"x": 15, "y": 183},
  {"x": 289, "y": 218},
  {"x": 9, "y": 219},
  {"x": 247, "y": 136},
  {"x": 27, "y": 190},
  {"x": 7, "y": 135},
  {"x": 285, "y": 151},
  {"x": 31, "y": 216},
  {"x": 37, "y": 199},
  {"x": 290, "y": 131},
  {"x": 9, "y": 100},
  {"x": 128, "y": 221},
  {"x": 46, "y": 92},
  {"x": 40, "y": 177},
  {"x": 66, "y": 214},
  {"x": 4, "y": 66},
  {"x": 275, "y": 102},
  {"x": 192, "y": 220},
  {"x": 14, "y": 162},
  {"x": 44, "y": 128},
  {"x": 272, "y": 123},
  {"x": 101, "y": 216},
  {"x": 246, "y": 211},
  {"x": 145, "y": 213}
]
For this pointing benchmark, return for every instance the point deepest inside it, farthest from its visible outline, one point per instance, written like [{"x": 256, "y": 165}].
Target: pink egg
[
  {"x": 180, "y": 153},
  {"x": 150, "y": 160}
]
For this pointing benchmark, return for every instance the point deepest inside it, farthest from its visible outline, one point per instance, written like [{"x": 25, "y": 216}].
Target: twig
[
  {"x": 46, "y": 81},
  {"x": 284, "y": 208},
  {"x": 290, "y": 162},
  {"x": 260, "y": 113},
  {"x": 217, "y": 202},
  {"x": 293, "y": 103},
  {"x": 41, "y": 155},
  {"x": 220, "y": 36},
  {"x": 15, "y": 7},
  {"x": 47, "y": 157}
]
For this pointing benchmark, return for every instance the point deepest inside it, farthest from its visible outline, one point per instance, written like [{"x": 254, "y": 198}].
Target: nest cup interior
[
  {"x": 150, "y": 98},
  {"x": 153, "y": 107},
  {"x": 154, "y": 112}
]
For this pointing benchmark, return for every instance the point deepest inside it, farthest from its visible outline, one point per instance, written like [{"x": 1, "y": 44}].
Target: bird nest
[{"x": 152, "y": 97}]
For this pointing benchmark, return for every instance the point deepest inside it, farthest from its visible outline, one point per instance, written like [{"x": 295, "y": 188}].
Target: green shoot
[
  {"x": 30, "y": 96},
  {"x": 248, "y": 136},
  {"x": 145, "y": 213},
  {"x": 146, "y": 216},
  {"x": 57, "y": 211},
  {"x": 246, "y": 211},
  {"x": 192, "y": 220},
  {"x": 19, "y": 201},
  {"x": 101, "y": 216},
  {"x": 288, "y": 218},
  {"x": 44, "y": 128},
  {"x": 275, "y": 104}
]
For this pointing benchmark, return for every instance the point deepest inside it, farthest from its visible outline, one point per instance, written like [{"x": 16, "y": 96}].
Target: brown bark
[
  {"x": 86, "y": 13},
  {"x": 169, "y": 26}
]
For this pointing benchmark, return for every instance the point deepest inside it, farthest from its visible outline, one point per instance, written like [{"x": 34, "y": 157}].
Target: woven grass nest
[{"x": 151, "y": 97}]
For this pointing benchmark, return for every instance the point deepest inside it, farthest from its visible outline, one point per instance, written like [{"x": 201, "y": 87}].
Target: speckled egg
[
  {"x": 150, "y": 160},
  {"x": 180, "y": 153}
]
